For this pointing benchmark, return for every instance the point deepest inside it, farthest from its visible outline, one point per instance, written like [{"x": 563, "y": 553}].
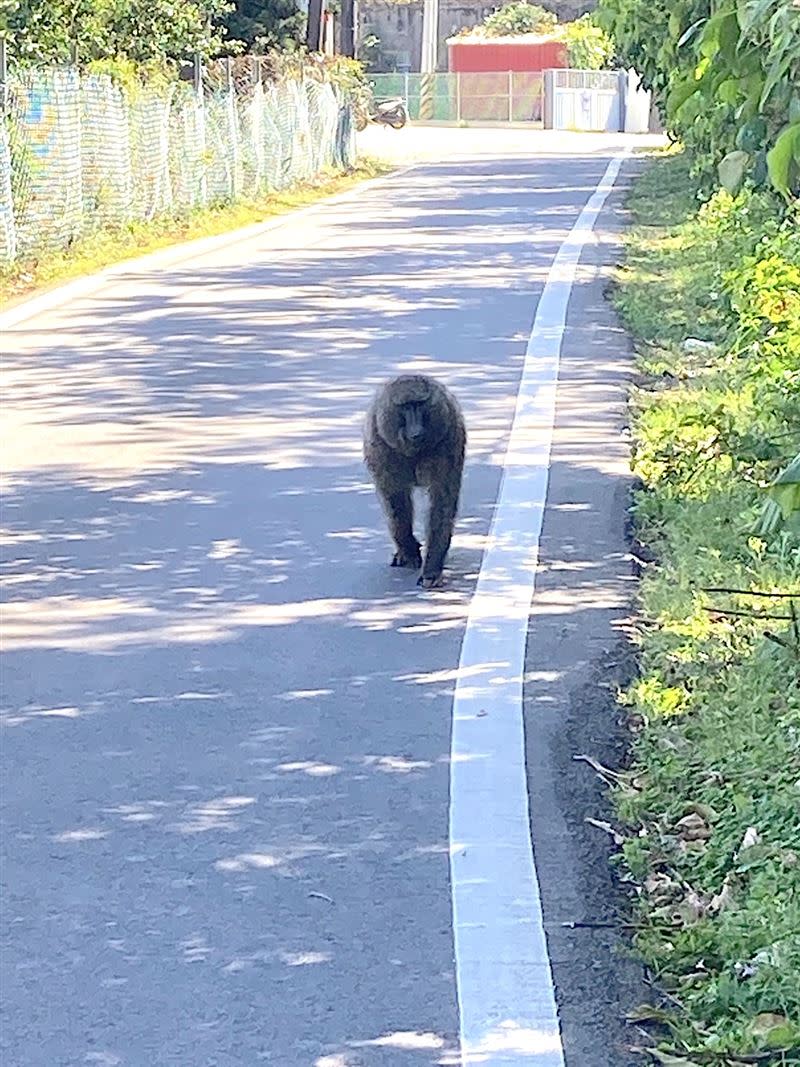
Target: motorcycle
[{"x": 391, "y": 112}]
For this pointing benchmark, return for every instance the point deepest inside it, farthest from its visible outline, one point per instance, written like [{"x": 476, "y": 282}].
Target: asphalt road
[{"x": 226, "y": 721}]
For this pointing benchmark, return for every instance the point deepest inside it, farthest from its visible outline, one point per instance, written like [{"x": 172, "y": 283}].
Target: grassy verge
[
  {"x": 711, "y": 805},
  {"x": 114, "y": 244}
]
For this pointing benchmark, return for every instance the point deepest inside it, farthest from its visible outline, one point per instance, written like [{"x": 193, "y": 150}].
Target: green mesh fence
[
  {"x": 496, "y": 96},
  {"x": 77, "y": 152}
]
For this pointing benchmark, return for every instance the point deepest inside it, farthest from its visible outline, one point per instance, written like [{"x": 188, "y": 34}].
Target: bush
[
  {"x": 711, "y": 802},
  {"x": 588, "y": 47},
  {"x": 518, "y": 18},
  {"x": 727, "y": 80}
]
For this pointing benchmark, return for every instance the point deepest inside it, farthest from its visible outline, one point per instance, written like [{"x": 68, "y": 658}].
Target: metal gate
[{"x": 584, "y": 99}]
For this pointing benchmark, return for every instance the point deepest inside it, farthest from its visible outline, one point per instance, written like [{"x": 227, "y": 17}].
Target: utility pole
[
  {"x": 314, "y": 26},
  {"x": 430, "y": 48},
  {"x": 347, "y": 29},
  {"x": 3, "y": 77},
  {"x": 430, "y": 36}
]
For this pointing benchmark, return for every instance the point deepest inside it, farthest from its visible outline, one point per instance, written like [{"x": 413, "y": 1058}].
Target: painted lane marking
[{"x": 506, "y": 995}]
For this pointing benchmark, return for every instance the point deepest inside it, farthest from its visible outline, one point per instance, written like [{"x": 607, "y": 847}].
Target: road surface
[{"x": 227, "y": 723}]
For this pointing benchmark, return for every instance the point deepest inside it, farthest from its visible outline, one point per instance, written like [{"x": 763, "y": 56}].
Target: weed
[{"x": 714, "y": 823}]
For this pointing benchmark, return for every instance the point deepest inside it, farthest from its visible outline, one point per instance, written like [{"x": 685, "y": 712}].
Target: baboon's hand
[
  {"x": 407, "y": 557},
  {"x": 430, "y": 581}
]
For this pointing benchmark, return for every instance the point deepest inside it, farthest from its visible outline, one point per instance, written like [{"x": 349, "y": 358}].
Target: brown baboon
[{"x": 415, "y": 435}]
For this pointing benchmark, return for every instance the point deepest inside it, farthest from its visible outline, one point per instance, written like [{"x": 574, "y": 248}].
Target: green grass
[
  {"x": 115, "y": 244},
  {"x": 712, "y": 802}
]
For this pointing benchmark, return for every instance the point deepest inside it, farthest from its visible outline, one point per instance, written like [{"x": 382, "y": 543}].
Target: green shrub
[
  {"x": 588, "y": 46},
  {"x": 711, "y": 804},
  {"x": 727, "y": 79},
  {"x": 518, "y": 18}
]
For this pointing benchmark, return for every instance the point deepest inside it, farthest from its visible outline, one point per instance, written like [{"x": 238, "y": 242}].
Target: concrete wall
[{"x": 398, "y": 26}]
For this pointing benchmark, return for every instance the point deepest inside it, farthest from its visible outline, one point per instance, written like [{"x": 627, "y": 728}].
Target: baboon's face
[{"x": 406, "y": 426}]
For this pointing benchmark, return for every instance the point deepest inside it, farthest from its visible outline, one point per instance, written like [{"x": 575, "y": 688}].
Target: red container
[{"x": 505, "y": 54}]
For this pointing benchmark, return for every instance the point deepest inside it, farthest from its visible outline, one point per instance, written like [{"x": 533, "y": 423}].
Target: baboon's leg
[
  {"x": 400, "y": 514},
  {"x": 444, "y": 493}
]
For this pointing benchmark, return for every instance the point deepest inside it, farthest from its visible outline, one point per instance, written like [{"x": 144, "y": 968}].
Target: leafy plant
[
  {"x": 710, "y": 807},
  {"x": 369, "y": 51},
  {"x": 46, "y": 31},
  {"x": 519, "y": 18},
  {"x": 261, "y": 25},
  {"x": 588, "y": 46},
  {"x": 726, "y": 74},
  {"x": 783, "y": 505}
]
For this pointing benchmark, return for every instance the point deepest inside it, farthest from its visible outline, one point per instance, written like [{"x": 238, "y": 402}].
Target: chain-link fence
[
  {"x": 78, "y": 152},
  {"x": 494, "y": 96}
]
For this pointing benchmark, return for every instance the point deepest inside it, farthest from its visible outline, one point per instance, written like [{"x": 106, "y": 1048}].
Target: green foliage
[
  {"x": 262, "y": 25},
  {"x": 588, "y": 46},
  {"x": 727, "y": 77},
  {"x": 369, "y": 52},
  {"x": 134, "y": 77},
  {"x": 346, "y": 74},
  {"x": 45, "y": 31},
  {"x": 518, "y": 18},
  {"x": 785, "y": 490},
  {"x": 783, "y": 503},
  {"x": 711, "y": 801},
  {"x": 783, "y": 159}
]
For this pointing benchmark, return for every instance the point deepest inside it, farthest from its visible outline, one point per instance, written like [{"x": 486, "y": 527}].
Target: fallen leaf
[
  {"x": 668, "y": 1060},
  {"x": 692, "y": 908},
  {"x": 662, "y": 888},
  {"x": 693, "y": 827},
  {"x": 751, "y": 837},
  {"x": 647, "y": 1013},
  {"x": 619, "y": 838},
  {"x": 691, "y": 847},
  {"x": 695, "y": 344},
  {"x": 320, "y": 896},
  {"x": 724, "y": 899},
  {"x": 772, "y": 1030}
]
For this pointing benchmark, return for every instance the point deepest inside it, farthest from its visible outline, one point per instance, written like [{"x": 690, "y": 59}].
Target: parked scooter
[{"x": 391, "y": 112}]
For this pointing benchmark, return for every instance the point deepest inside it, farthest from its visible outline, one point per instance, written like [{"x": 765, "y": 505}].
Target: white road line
[{"x": 505, "y": 986}]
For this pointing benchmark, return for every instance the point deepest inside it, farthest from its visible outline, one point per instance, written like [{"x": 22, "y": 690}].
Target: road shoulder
[{"x": 577, "y": 653}]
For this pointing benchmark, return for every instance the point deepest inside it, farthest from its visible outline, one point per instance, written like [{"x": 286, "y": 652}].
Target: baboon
[{"x": 415, "y": 435}]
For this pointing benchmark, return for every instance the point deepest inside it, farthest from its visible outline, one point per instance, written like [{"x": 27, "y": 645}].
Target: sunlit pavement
[
  {"x": 226, "y": 719},
  {"x": 416, "y": 143}
]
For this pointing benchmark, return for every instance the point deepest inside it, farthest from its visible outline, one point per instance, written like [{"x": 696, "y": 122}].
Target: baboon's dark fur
[{"x": 415, "y": 435}]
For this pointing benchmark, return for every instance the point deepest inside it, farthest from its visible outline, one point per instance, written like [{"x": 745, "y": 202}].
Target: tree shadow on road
[{"x": 208, "y": 663}]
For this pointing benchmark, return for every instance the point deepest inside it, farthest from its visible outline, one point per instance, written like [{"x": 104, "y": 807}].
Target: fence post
[
  {"x": 233, "y": 131},
  {"x": 257, "y": 123},
  {"x": 200, "y": 124},
  {"x": 426, "y": 84},
  {"x": 406, "y": 89},
  {"x": 511, "y": 96},
  {"x": 8, "y": 232},
  {"x": 622, "y": 97},
  {"x": 3, "y": 77},
  {"x": 458, "y": 96}
]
